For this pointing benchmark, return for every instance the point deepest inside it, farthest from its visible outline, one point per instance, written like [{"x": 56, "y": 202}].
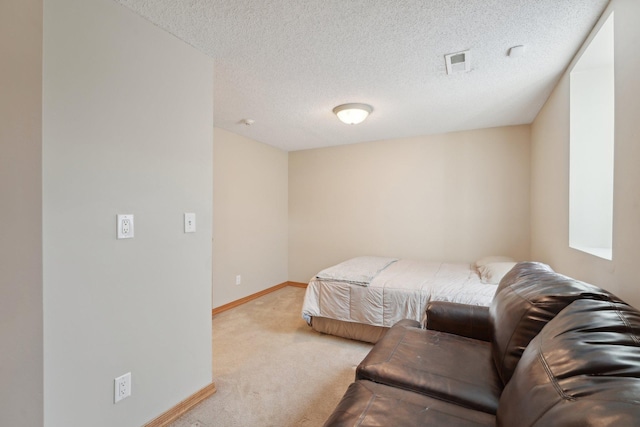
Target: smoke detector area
[{"x": 459, "y": 62}]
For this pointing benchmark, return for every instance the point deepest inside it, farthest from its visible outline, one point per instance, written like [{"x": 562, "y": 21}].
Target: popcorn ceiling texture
[{"x": 287, "y": 63}]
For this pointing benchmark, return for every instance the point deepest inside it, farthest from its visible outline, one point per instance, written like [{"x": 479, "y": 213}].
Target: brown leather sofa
[{"x": 549, "y": 351}]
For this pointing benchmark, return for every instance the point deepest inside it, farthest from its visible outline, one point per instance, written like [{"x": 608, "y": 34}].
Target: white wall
[
  {"x": 21, "y": 213},
  {"x": 250, "y": 216},
  {"x": 550, "y": 172},
  {"x": 127, "y": 128},
  {"x": 451, "y": 197}
]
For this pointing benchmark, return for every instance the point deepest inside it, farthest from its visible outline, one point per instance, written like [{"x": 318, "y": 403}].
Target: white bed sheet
[{"x": 401, "y": 291}]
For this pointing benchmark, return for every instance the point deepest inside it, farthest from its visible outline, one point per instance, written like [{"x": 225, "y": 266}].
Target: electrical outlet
[
  {"x": 238, "y": 279},
  {"x": 122, "y": 387},
  {"x": 125, "y": 226}
]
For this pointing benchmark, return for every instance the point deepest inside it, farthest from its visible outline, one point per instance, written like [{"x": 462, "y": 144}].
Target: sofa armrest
[
  {"x": 470, "y": 321},
  {"x": 409, "y": 323}
]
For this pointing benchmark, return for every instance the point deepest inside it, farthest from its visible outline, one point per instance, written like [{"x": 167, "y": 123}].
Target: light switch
[
  {"x": 125, "y": 226},
  {"x": 189, "y": 223}
]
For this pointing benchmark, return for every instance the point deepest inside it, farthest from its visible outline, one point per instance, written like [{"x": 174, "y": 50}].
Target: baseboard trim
[
  {"x": 297, "y": 284},
  {"x": 186, "y": 405},
  {"x": 251, "y": 297}
]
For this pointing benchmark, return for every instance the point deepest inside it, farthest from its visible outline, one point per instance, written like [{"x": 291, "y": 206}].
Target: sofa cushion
[
  {"x": 583, "y": 369},
  {"x": 446, "y": 366},
  {"x": 528, "y": 297},
  {"x": 369, "y": 404}
]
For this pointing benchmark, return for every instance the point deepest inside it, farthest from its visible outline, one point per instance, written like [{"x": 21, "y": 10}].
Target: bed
[{"x": 362, "y": 297}]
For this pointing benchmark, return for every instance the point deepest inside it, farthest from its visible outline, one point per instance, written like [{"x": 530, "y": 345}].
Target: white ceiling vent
[{"x": 459, "y": 62}]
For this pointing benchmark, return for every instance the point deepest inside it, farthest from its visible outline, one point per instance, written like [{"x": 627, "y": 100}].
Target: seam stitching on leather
[
  {"x": 626, "y": 323},
  {"x": 364, "y": 413},
  {"x": 552, "y": 377},
  {"x": 395, "y": 348}
]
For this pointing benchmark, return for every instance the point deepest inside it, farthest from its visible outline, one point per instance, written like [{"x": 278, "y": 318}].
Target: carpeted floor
[{"x": 271, "y": 369}]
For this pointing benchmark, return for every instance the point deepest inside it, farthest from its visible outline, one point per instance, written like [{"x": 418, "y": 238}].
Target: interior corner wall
[
  {"x": 250, "y": 216},
  {"x": 550, "y": 172},
  {"x": 450, "y": 197},
  {"x": 21, "y": 357},
  {"x": 127, "y": 129}
]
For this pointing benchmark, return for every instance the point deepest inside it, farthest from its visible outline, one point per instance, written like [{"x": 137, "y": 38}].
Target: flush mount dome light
[{"x": 352, "y": 114}]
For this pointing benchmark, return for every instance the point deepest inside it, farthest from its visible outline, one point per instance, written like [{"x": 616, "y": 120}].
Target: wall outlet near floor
[
  {"x": 238, "y": 279},
  {"x": 122, "y": 387}
]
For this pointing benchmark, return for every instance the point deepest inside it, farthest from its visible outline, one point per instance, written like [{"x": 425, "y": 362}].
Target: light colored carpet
[{"x": 271, "y": 369}]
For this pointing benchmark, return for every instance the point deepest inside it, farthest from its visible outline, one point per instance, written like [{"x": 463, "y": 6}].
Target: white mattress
[{"x": 400, "y": 291}]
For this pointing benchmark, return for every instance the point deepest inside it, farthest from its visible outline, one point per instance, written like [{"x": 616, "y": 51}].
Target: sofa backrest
[
  {"x": 522, "y": 271},
  {"x": 528, "y": 297},
  {"x": 582, "y": 369}
]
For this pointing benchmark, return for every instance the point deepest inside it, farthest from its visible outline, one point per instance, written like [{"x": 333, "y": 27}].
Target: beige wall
[
  {"x": 452, "y": 197},
  {"x": 550, "y": 173},
  {"x": 250, "y": 216},
  {"x": 126, "y": 129},
  {"x": 21, "y": 356}
]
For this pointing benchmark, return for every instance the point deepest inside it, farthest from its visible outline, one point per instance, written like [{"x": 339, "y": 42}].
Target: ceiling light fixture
[{"x": 352, "y": 114}]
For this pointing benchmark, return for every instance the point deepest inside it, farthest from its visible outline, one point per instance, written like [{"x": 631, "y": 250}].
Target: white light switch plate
[
  {"x": 125, "y": 226},
  {"x": 189, "y": 223}
]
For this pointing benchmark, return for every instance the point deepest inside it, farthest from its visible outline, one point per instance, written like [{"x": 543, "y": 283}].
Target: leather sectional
[{"x": 549, "y": 351}]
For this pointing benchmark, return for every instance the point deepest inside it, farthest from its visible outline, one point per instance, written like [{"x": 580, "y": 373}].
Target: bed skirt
[{"x": 351, "y": 330}]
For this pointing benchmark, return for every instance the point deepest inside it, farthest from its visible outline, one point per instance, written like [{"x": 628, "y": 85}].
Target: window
[{"x": 592, "y": 105}]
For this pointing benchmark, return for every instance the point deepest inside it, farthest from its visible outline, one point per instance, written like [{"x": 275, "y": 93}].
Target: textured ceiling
[{"x": 287, "y": 63}]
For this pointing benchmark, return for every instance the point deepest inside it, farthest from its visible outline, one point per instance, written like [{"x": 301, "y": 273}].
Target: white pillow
[
  {"x": 494, "y": 258},
  {"x": 491, "y": 273}
]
